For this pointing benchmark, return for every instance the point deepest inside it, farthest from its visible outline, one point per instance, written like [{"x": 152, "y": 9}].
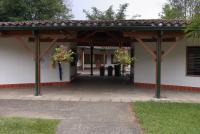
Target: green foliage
[
  {"x": 62, "y": 54},
  {"x": 168, "y": 118},
  {"x": 108, "y": 14},
  {"x": 122, "y": 56},
  {"x": 15, "y": 125},
  {"x": 170, "y": 12},
  {"x": 23, "y": 10},
  {"x": 193, "y": 30},
  {"x": 180, "y": 9}
]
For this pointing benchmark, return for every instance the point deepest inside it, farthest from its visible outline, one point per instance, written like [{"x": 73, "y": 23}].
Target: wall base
[
  {"x": 169, "y": 87},
  {"x": 30, "y": 85},
  {"x": 137, "y": 85}
]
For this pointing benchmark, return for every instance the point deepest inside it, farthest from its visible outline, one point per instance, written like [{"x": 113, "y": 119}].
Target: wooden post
[
  {"x": 158, "y": 64},
  {"x": 37, "y": 63},
  {"x": 83, "y": 59},
  {"x": 104, "y": 58},
  {"x": 132, "y": 64},
  {"x": 91, "y": 59}
]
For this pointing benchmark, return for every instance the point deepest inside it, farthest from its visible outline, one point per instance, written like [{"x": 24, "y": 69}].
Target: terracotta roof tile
[{"x": 102, "y": 23}]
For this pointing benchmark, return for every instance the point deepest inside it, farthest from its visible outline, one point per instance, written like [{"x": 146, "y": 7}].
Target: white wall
[
  {"x": 173, "y": 66},
  {"x": 144, "y": 66},
  {"x": 18, "y": 65}
]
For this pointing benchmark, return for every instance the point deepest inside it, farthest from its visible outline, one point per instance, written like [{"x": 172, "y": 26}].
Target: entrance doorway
[{"x": 103, "y": 64}]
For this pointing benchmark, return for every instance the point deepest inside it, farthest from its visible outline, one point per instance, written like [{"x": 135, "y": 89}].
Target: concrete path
[
  {"x": 77, "y": 117},
  {"x": 99, "y": 89}
]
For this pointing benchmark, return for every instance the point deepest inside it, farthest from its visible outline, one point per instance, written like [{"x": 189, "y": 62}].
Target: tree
[
  {"x": 180, "y": 9},
  {"x": 23, "y": 10},
  {"x": 170, "y": 12},
  {"x": 193, "y": 29},
  {"x": 108, "y": 14}
]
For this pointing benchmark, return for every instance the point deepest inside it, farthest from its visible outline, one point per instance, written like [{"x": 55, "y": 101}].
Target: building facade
[{"x": 179, "y": 57}]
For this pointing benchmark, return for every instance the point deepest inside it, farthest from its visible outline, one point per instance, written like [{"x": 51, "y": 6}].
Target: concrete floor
[
  {"x": 95, "y": 89},
  {"x": 77, "y": 117}
]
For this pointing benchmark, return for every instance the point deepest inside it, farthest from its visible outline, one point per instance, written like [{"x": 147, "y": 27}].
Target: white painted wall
[
  {"x": 144, "y": 66},
  {"x": 18, "y": 66},
  {"x": 173, "y": 66}
]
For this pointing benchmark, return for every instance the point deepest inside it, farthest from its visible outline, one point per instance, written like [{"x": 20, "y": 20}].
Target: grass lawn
[
  {"x": 168, "y": 118},
  {"x": 27, "y": 126}
]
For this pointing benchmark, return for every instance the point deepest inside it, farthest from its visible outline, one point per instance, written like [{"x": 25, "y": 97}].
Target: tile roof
[{"x": 93, "y": 24}]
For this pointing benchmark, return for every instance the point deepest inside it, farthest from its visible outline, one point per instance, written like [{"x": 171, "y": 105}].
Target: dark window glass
[
  {"x": 87, "y": 58},
  {"x": 193, "y": 60},
  {"x": 98, "y": 58}
]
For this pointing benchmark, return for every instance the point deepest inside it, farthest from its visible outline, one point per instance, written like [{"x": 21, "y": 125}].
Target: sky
[{"x": 148, "y": 9}]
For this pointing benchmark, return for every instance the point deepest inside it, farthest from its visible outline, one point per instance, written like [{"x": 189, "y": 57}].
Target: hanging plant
[
  {"x": 122, "y": 56},
  {"x": 62, "y": 54}
]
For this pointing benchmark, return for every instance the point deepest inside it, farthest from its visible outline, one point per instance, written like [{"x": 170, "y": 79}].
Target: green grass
[
  {"x": 14, "y": 125},
  {"x": 168, "y": 118}
]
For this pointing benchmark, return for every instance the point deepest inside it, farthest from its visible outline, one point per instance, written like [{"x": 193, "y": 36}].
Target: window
[
  {"x": 98, "y": 58},
  {"x": 193, "y": 60},
  {"x": 112, "y": 59},
  {"x": 87, "y": 58}
]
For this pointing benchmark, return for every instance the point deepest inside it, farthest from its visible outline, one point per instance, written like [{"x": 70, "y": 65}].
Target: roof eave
[{"x": 139, "y": 28}]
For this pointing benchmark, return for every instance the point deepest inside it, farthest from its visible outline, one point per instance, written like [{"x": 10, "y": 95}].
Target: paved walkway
[
  {"x": 77, "y": 117},
  {"x": 99, "y": 89}
]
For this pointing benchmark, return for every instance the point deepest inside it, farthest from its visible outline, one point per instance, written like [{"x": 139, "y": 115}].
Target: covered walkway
[
  {"x": 149, "y": 34},
  {"x": 99, "y": 89}
]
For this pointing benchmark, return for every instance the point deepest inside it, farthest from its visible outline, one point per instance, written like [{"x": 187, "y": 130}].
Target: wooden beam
[
  {"x": 83, "y": 59},
  {"x": 132, "y": 63},
  {"x": 29, "y": 33},
  {"x": 112, "y": 36},
  {"x": 151, "y": 52},
  {"x": 104, "y": 58},
  {"x": 171, "y": 47},
  {"x": 52, "y": 37},
  {"x": 89, "y": 35},
  {"x": 67, "y": 33},
  {"x": 152, "y": 33},
  {"x": 142, "y": 33},
  {"x": 78, "y": 40},
  {"x": 91, "y": 59},
  {"x": 24, "y": 45},
  {"x": 49, "y": 48}
]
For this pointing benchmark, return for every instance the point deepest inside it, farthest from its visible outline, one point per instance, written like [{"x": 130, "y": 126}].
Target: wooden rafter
[
  {"x": 67, "y": 34},
  {"x": 24, "y": 45},
  {"x": 143, "y": 33},
  {"x": 48, "y": 48},
  {"x": 112, "y": 36},
  {"x": 89, "y": 35},
  {"x": 151, "y": 52}
]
